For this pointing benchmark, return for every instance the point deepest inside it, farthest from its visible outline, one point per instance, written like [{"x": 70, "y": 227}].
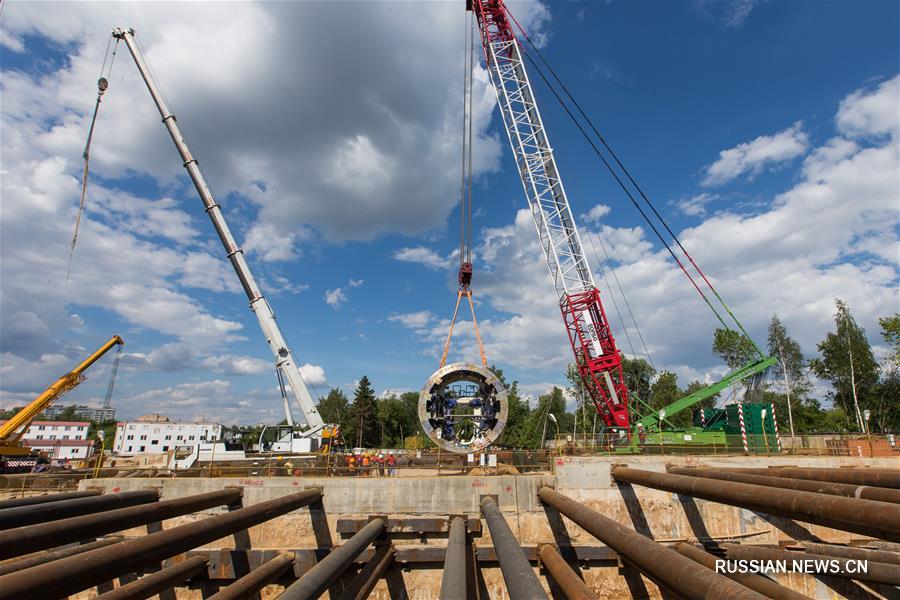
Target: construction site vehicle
[
  {"x": 15, "y": 457},
  {"x": 597, "y": 357},
  {"x": 287, "y": 369}
]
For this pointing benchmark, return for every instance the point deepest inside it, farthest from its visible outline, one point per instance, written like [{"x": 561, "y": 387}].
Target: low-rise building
[
  {"x": 59, "y": 439},
  {"x": 155, "y": 434}
]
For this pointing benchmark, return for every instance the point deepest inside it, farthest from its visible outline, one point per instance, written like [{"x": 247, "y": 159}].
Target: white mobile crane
[{"x": 291, "y": 438}]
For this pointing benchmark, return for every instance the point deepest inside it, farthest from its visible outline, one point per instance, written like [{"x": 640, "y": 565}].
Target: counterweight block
[{"x": 463, "y": 407}]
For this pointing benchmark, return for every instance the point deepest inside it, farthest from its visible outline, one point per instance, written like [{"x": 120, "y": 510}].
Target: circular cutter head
[{"x": 463, "y": 407}]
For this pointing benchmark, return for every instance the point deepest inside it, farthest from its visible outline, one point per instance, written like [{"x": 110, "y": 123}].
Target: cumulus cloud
[
  {"x": 338, "y": 296},
  {"x": 695, "y": 206},
  {"x": 596, "y": 213},
  {"x": 871, "y": 112},
  {"x": 424, "y": 256},
  {"x": 413, "y": 320},
  {"x": 751, "y": 158},
  {"x": 313, "y": 374},
  {"x": 231, "y": 364}
]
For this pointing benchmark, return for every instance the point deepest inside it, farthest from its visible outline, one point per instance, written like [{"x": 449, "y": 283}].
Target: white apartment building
[
  {"x": 158, "y": 435},
  {"x": 59, "y": 439}
]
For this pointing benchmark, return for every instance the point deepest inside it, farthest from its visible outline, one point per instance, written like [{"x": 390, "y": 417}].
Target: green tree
[
  {"x": 335, "y": 408},
  {"x": 638, "y": 377},
  {"x": 585, "y": 410},
  {"x": 847, "y": 363},
  {"x": 398, "y": 418},
  {"x": 735, "y": 349},
  {"x": 886, "y": 399},
  {"x": 663, "y": 392},
  {"x": 363, "y": 429},
  {"x": 789, "y": 372},
  {"x": 517, "y": 417},
  {"x": 539, "y": 423}
]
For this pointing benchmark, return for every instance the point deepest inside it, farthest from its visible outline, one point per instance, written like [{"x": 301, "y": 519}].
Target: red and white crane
[{"x": 596, "y": 356}]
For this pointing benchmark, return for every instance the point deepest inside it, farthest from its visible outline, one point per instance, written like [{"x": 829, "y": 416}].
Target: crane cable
[
  {"x": 633, "y": 182},
  {"x": 102, "y": 85},
  {"x": 465, "y": 212}
]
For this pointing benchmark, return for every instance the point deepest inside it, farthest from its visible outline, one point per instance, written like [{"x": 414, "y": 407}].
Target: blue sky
[{"x": 767, "y": 133}]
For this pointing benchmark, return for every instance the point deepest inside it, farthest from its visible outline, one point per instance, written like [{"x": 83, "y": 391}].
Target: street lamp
[{"x": 555, "y": 422}]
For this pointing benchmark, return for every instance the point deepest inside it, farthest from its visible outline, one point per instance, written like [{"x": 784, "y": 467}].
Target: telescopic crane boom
[
  {"x": 285, "y": 363},
  {"x": 596, "y": 354}
]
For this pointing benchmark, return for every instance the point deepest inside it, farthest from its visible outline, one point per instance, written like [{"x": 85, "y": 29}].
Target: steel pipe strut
[
  {"x": 69, "y": 575},
  {"x": 21, "y": 540},
  {"x": 453, "y": 581},
  {"x": 318, "y": 579},
  {"x": 61, "y": 509},
  {"x": 255, "y": 580},
  {"x": 882, "y": 556},
  {"x": 366, "y": 580},
  {"x": 863, "y": 492},
  {"x": 878, "y": 477},
  {"x": 44, "y": 557},
  {"x": 16, "y": 502},
  {"x": 572, "y": 586},
  {"x": 868, "y": 517},
  {"x": 763, "y": 585},
  {"x": 874, "y": 572},
  {"x": 521, "y": 582},
  {"x": 152, "y": 584},
  {"x": 663, "y": 565}
]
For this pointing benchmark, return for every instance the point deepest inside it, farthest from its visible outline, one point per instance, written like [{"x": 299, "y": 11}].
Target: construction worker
[
  {"x": 366, "y": 464},
  {"x": 351, "y": 464},
  {"x": 391, "y": 464}
]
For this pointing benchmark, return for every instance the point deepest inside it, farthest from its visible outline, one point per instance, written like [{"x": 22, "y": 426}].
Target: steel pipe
[
  {"x": 453, "y": 581},
  {"x": 763, "y": 585},
  {"x": 366, "y": 580},
  {"x": 255, "y": 580},
  {"x": 881, "y": 556},
  {"x": 44, "y": 557},
  {"x": 521, "y": 582},
  {"x": 868, "y": 517},
  {"x": 152, "y": 584},
  {"x": 61, "y": 509},
  {"x": 18, "y": 541},
  {"x": 663, "y": 565},
  {"x": 875, "y": 572},
  {"x": 318, "y": 579},
  {"x": 862, "y": 492},
  {"x": 889, "y": 478},
  {"x": 572, "y": 586},
  {"x": 30, "y": 500},
  {"x": 69, "y": 575}
]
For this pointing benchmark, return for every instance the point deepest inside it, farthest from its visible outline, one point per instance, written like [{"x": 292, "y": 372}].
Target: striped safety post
[
  {"x": 743, "y": 428},
  {"x": 775, "y": 425}
]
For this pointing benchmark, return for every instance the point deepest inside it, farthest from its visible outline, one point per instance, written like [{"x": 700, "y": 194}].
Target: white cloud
[
  {"x": 695, "y": 206},
  {"x": 871, "y": 112},
  {"x": 231, "y": 364},
  {"x": 424, "y": 256},
  {"x": 313, "y": 374},
  {"x": 597, "y": 212},
  {"x": 413, "y": 320},
  {"x": 752, "y": 157},
  {"x": 338, "y": 296}
]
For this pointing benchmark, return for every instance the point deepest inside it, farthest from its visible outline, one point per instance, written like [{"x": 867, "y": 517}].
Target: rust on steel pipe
[
  {"x": 865, "y": 476},
  {"x": 18, "y": 541},
  {"x": 868, "y": 517},
  {"x": 61, "y": 509},
  {"x": 152, "y": 584},
  {"x": 663, "y": 565},
  {"x": 763, "y": 585},
  {"x": 863, "y": 492},
  {"x": 572, "y": 586},
  {"x": 14, "y": 565},
  {"x": 882, "y": 556},
  {"x": 521, "y": 582},
  {"x": 453, "y": 581},
  {"x": 364, "y": 582},
  {"x": 315, "y": 581},
  {"x": 846, "y": 567},
  {"x": 30, "y": 500},
  {"x": 255, "y": 580},
  {"x": 69, "y": 575}
]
